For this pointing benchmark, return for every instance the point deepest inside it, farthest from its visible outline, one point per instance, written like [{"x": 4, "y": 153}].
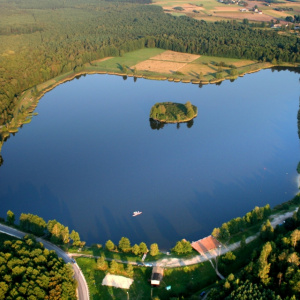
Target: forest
[
  {"x": 29, "y": 271},
  {"x": 272, "y": 271},
  {"x": 43, "y": 39}
]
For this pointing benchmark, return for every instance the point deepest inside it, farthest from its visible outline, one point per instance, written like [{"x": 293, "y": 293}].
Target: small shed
[{"x": 157, "y": 275}]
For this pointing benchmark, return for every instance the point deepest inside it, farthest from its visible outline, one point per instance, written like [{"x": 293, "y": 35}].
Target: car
[
  {"x": 203, "y": 293},
  {"x": 73, "y": 260}
]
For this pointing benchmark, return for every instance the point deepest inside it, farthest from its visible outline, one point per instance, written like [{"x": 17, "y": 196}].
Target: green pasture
[{"x": 128, "y": 59}]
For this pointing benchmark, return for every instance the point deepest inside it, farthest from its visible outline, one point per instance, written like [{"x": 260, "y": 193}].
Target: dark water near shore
[{"x": 90, "y": 158}]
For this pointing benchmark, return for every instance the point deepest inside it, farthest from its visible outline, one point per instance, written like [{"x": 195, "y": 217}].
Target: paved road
[{"x": 83, "y": 292}]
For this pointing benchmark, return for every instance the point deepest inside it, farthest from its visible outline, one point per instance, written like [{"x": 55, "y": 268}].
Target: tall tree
[{"x": 10, "y": 217}]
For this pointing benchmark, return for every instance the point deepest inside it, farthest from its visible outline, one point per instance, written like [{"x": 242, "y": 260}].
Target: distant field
[
  {"x": 212, "y": 10},
  {"x": 176, "y": 65}
]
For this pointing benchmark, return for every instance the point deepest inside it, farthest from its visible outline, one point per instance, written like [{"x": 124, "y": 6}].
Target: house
[{"x": 157, "y": 275}]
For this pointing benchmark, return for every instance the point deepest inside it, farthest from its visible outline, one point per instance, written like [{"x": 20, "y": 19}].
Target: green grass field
[
  {"x": 129, "y": 59},
  {"x": 183, "y": 281}
]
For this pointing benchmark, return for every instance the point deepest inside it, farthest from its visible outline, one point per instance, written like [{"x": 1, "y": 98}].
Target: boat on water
[{"x": 136, "y": 213}]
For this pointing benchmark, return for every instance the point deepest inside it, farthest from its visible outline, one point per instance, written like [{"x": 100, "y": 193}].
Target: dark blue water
[{"x": 90, "y": 158}]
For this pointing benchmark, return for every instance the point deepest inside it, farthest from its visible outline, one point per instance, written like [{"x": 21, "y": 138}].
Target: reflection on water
[{"x": 156, "y": 125}]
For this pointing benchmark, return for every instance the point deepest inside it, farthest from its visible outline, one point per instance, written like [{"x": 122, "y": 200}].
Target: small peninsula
[{"x": 169, "y": 112}]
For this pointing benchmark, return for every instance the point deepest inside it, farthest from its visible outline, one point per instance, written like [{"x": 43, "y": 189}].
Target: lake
[{"x": 91, "y": 157}]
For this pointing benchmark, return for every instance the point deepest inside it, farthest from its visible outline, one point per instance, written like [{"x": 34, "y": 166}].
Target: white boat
[{"x": 136, "y": 213}]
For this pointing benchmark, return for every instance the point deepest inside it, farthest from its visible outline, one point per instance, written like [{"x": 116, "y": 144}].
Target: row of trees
[
  {"x": 55, "y": 231},
  {"x": 29, "y": 271},
  {"x": 125, "y": 246},
  {"x": 236, "y": 225}
]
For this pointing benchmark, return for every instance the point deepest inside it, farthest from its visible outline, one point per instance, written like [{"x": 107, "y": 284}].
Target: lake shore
[{"x": 29, "y": 98}]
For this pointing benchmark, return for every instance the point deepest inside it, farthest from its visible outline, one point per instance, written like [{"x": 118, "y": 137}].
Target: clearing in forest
[{"x": 167, "y": 62}]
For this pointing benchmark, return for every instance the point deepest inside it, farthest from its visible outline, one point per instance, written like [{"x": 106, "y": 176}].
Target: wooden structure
[
  {"x": 157, "y": 275},
  {"x": 207, "y": 244}
]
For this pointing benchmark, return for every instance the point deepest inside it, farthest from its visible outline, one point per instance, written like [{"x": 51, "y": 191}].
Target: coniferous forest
[
  {"x": 29, "y": 271},
  {"x": 42, "y": 39}
]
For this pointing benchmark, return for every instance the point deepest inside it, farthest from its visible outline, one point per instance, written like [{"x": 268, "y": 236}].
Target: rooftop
[{"x": 207, "y": 244}]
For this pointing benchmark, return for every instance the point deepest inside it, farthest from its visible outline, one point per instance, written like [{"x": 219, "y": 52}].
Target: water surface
[{"x": 90, "y": 158}]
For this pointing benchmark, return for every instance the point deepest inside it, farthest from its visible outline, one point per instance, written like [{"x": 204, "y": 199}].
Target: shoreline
[{"x": 29, "y": 98}]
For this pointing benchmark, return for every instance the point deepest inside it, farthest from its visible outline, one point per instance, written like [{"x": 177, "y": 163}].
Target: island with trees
[{"x": 169, "y": 112}]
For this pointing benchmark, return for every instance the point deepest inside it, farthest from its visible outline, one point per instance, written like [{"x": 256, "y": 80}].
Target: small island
[{"x": 169, "y": 112}]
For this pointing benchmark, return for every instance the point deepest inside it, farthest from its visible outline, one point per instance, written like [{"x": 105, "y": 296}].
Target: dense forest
[
  {"x": 29, "y": 271},
  {"x": 42, "y": 39}
]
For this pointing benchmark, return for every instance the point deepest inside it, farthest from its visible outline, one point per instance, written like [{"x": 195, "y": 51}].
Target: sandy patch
[
  {"x": 117, "y": 281},
  {"x": 175, "y": 57},
  {"x": 159, "y": 66},
  {"x": 195, "y": 69}
]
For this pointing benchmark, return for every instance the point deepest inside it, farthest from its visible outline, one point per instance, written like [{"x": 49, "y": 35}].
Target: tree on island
[
  {"x": 168, "y": 112},
  {"x": 190, "y": 110}
]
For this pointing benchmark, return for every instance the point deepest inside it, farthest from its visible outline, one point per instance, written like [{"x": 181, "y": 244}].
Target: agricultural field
[
  {"x": 212, "y": 10},
  {"x": 171, "y": 64}
]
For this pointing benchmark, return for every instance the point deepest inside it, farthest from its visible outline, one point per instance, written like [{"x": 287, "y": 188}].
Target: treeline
[
  {"x": 239, "y": 224},
  {"x": 53, "y": 230},
  {"x": 29, "y": 271},
  {"x": 272, "y": 271},
  {"x": 66, "y": 35}
]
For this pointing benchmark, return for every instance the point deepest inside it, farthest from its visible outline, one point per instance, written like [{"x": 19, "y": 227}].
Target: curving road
[{"x": 82, "y": 288}]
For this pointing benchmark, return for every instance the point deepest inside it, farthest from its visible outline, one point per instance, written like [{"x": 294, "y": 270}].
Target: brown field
[
  {"x": 245, "y": 15},
  {"x": 175, "y": 57},
  {"x": 187, "y": 8},
  {"x": 228, "y": 8},
  {"x": 159, "y": 66},
  {"x": 242, "y": 63},
  {"x": 195, "y": 69}
]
